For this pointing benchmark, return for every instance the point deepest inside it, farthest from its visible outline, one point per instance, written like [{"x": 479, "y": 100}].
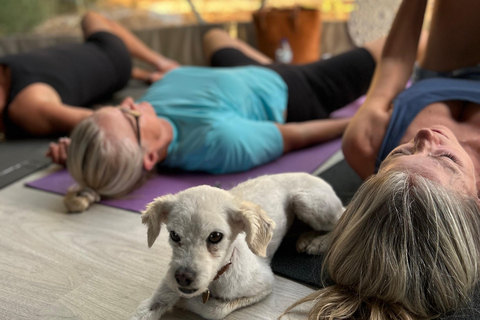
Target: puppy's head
[{"x": 203, "y": 222}]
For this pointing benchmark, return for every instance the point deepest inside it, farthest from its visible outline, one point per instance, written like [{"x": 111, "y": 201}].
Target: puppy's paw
[
  {"x": 313, "y": 242},
  {"x": 146, "y": 311},
  {"x": 214, "y": 309}
]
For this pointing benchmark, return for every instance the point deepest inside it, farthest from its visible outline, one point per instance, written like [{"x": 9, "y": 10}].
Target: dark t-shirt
[
  {"x": 410, "y": 102},
  {"x": 81, "y": 73}
]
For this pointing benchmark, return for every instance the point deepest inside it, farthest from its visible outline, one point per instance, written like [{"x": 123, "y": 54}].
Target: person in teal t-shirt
[
  {"x": 243, "y": 112},
  {"x": 225, "y": 121}
]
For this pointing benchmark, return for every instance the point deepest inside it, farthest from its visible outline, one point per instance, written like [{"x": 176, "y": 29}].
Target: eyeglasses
[{"x": 135, "y": 114}]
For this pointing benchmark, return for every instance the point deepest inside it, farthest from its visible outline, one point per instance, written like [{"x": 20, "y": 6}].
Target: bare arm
[
  {"x": 42, "y": 113},
  {"x": 298, "y": 135},
  {"x": 364, "y": 135},
  {"x": 400, "y": 51}
]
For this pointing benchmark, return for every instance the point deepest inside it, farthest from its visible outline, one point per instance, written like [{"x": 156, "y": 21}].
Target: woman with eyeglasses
[
  {"x": 45, "y": 92},
  {"x": 242, "y": 113},
  {"x": 408, "y": 244}
]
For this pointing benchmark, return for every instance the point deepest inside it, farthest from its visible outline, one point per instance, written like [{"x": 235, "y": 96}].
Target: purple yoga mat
[{"x": 306, "y": 160}]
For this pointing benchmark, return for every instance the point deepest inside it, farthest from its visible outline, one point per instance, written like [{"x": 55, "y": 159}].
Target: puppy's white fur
[{"x": 246, "y": 216}]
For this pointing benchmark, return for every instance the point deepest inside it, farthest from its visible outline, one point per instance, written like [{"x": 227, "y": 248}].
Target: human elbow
[
  {"x": 293, "y": 137},
  {"x": 358, "y": 155}
]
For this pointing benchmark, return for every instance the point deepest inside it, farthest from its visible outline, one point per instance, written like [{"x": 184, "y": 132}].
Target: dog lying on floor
[{"x": 223, "y": 241}]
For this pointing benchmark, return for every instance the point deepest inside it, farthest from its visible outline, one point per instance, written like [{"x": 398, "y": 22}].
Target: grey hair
[
  {"x": 101, "y": 165},
  {"x": 405, "y": 248}
]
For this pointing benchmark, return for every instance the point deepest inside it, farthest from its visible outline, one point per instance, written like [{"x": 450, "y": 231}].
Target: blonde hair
[
  {"x": 102, "y": 165},
  {"x": 405, "y": 248}
]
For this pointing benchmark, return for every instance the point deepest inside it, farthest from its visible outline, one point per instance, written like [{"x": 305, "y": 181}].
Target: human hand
[{"x": 58, "y": 151}]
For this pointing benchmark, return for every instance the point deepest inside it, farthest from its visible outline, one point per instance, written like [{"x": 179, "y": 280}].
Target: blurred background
[
  {"x": 61, "y": 17},
  {"x": 175, "y": 27}
]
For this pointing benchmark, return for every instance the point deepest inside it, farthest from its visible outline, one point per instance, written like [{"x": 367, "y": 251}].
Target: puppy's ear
[
  {"x": 156, "y": 214},
  {"x": 257, "y": 225}
]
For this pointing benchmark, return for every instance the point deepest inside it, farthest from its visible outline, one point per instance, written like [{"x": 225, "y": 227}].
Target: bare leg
[
  {"x": 454, "y": 36},
  {"x": 153, "y": 308},
  {"x": 93, "y": 22},
  {"x": 216, "y": 39}
]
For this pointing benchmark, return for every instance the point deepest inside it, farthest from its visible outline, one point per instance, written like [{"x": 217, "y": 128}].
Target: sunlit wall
[{"x": 63, "y": 16}]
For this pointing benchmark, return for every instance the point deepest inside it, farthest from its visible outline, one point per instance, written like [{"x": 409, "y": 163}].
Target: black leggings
[{"x": 316, "y": 89}]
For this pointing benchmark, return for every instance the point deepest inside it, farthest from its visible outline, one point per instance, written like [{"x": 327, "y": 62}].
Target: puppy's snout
[{"x": 185, "y": 276}]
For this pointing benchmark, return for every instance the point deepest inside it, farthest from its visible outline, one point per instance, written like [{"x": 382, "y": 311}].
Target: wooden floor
[{"x": 94, "y": 265}]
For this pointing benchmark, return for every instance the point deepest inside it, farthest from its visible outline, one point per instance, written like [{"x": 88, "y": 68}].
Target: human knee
[
  {"x": 215, "y": 39},
  {"x": 93, "y": 22},
  {"x": 88, "y": 19},
  {"x": 214, "y": 34}
]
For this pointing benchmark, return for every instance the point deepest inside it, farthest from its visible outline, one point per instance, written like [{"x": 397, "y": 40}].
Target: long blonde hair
[
  {"x": 102, "y": 165},
  {"x": 405, "y": 248}
]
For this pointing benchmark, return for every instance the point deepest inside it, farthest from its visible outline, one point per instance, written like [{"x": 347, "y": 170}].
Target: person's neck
[{"x": 167, "y": 136}]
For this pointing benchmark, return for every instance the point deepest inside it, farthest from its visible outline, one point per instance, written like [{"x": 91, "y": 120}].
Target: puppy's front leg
[
  {"x": 153, "y": 308},
  {"x": 216, "y": 309},
  {"x": 313, "y": 242}
]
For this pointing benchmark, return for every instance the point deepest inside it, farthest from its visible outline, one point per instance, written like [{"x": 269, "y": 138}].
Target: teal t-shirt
[{"x": 223, "y": 118}]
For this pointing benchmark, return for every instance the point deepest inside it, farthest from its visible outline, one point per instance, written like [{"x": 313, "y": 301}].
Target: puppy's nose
[{"x": 185, "y": 276}]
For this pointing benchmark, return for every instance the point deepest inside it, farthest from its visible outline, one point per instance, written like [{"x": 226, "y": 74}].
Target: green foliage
[
  {"x": 21, "y": 16},
  {"x": 18, "y": 16}
]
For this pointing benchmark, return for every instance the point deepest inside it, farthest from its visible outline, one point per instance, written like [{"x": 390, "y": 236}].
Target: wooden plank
[{"x": 94, "y": 265}]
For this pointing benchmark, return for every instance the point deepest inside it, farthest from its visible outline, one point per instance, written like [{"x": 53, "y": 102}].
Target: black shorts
[
  {"x": 82, "y": 73},
  {"x": 316, "y": 89}
]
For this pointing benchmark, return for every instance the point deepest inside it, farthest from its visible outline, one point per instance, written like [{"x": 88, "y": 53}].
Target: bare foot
[{"x": 164, "y": 65}]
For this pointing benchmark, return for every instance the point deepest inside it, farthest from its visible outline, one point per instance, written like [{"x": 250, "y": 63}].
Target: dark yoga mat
[
  {"x": 302, "y": 267},
  {"x": 305, "y": 268},
  {"x": 20, "y": 158}
]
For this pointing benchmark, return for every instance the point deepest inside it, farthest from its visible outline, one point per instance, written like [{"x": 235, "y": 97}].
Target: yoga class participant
[
  {"x": 218, "y": 120},
  {"x": 47, "y": 92},
  {"x": 407, "y": 246}
]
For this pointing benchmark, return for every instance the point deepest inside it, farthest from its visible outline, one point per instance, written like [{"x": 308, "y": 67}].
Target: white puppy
[{"x": 223, "y": 241}]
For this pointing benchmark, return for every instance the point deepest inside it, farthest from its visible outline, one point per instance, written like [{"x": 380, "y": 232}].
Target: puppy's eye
[
  {"x": 174, "y": 236},
  {"x": 215, "y": 237}
]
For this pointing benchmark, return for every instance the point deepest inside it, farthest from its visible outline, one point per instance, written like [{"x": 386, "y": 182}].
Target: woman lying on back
[
  {"x": 217, "y": 120},
  {"x": 408, "y": 245},
  {"x": 47, "y": 92}
]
